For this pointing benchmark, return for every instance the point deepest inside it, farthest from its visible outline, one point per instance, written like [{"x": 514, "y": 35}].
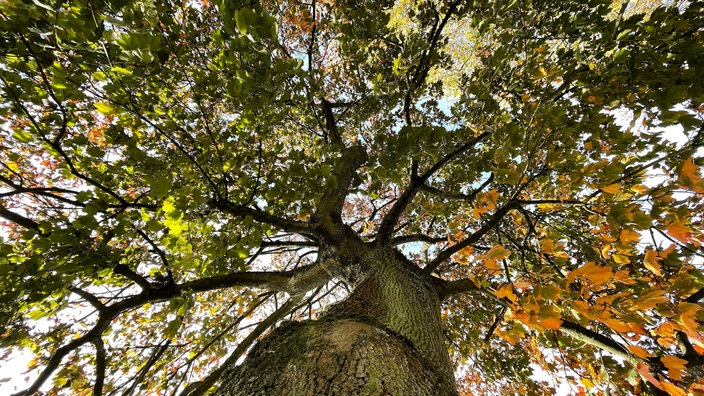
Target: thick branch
[
  {"x": 103, "y": 323},
  {"x": 389, "y": 222},
  {"x": 331, "y": 123},
  {"x": 448, "y": 289},
  {"x": 328, "y": 215},
  {"x": 694, "y": 298},
  {"x": 127, "y": 272},
  {"x": 100, "y": 363},
  {"x": 18, "y": 219},
  {"x": 598, "y": 340},
  {"x": 261, "y": 216},
  {"x": 93, "y": 300},
  {"x": 294, "y": 282}
]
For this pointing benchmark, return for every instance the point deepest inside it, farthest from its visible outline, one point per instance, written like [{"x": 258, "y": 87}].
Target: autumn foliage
[{"x": 161, "y": 164}]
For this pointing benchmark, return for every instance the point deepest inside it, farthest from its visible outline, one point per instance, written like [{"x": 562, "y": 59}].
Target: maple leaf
[
  {"x": 612, "y": 188},
  {"x": 675, "y": 366},
  {"x": 639, "y": 351},
  {"x": 506, "y": 292},
  {"x": 596, "y": 275},
  {"x": 683, "y": 233},
  {"x": 689, "y": 175},
  {"x": 651, "y": 262},
  {"x": 672, "y": 389},
  {"x": 651, "y": 299},
  {"x": 644, "y": 372},
  {"x": 628, "y": 236}
]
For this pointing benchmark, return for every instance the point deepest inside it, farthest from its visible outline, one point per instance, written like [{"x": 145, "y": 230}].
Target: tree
[{"x": 412, "y": 197}]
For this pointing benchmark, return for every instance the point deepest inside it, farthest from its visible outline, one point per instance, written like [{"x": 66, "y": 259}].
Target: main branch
[{"x": 391, "y": 219}]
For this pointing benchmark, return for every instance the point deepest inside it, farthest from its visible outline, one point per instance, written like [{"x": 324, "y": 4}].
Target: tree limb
[
  {"x": 18, "y": 219},
  {"x": 242, "y": 347},
  {"x": 694, "y": 298},
  {"x": 389, "y": 221},
  {"x": 327, "y": 218},
  {"x": 466, "y": 197},
  {"x": 100, "y": 363},
  {"x": 261, "y": 216},
  {"x": 472, "y": 239},
  {"x": 294, "y": 282}
]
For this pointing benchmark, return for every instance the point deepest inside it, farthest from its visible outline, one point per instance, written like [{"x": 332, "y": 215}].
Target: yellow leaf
[
  {"x": 628, "y": 236},
  {"x": 688, "y": 318},
  {"x": 586, "y": 382},
  {"x": 590, "y": 271},
  {"x": 497, "y": 252},
  {"x": 505, "y": 291},
  {"x": 621, "y": 258},
  {"x": 638, "y": 351},
  {"x": 651, "y": 262},
  {"x": 612, "y": 188},
  {"x": 605, "y": 251},
  {"x": 651, "y": 299},
  {"x": 640, "y": 189},
  {"x": 675, "y": 366}
]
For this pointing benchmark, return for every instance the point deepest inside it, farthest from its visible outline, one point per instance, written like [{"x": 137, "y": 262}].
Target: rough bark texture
[{"x": 384, "y": 339}]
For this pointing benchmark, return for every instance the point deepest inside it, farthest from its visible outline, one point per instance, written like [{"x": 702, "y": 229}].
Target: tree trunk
[{"x": 384, "y": 339}]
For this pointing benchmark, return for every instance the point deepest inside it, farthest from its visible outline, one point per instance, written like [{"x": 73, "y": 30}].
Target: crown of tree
[{"x": 452, "y": 194}]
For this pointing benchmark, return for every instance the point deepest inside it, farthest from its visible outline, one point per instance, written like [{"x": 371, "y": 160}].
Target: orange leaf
[
  {"x": 682, "y": 233},
  {"x": 505, "y": 291},
  {"x": 628, "y": 236},
  {"x": 697, "y": 389},
  {"x": 644, "y": 372},
  {"x": 689, "y": 173},
  {"x": 551, "y": 323},
  {"x": 675, "y": 366},
  {"x": 672, "y": 389},
  {"x": 616, "y": 324},
  {"x": 492, "y": 266},
  {"x": 549, "y": 246},
  {"x": 651, "y": 299},
  {"x": 590, "y": 271},
  {"x": 688, "y": 318},
  {"x": 638, "y": 351},
  {"x": 549, "y": 318}
]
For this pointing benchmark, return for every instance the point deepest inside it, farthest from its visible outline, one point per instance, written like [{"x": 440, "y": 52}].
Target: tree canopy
[{"x": 162, "y": 164}]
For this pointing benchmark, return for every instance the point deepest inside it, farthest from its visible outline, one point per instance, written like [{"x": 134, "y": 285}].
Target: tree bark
[{"x": 384, "y": 339}]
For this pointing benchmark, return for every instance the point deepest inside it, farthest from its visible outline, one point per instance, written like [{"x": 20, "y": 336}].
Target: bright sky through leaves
[{"x": 164, "y": 166}]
